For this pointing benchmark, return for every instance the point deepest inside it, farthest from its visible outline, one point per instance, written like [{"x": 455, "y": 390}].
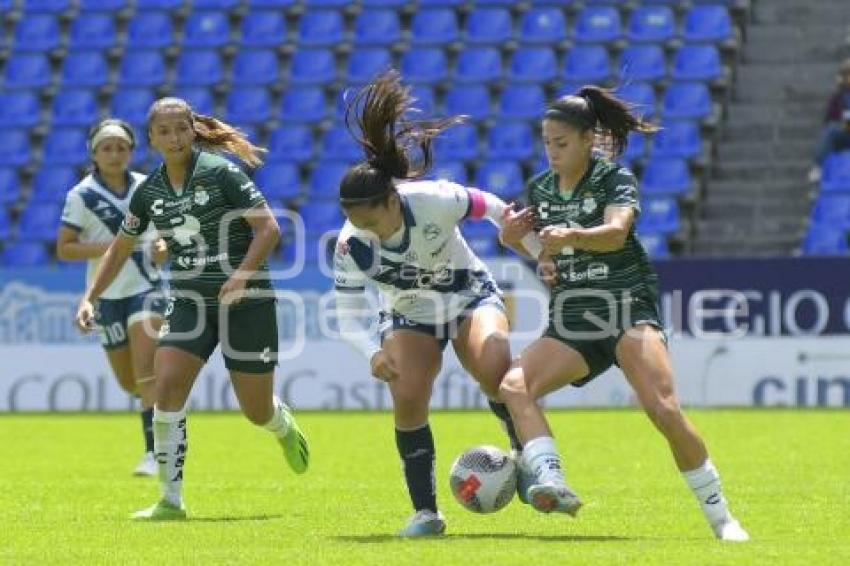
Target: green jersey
[
  {"x": 202, "y": 222},
  {"x": 586, "y": 280}
]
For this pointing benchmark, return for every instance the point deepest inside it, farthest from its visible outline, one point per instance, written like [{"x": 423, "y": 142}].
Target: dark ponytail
[
  {"x": 597, "y": 108},
  {"x": 387, "y": 138}
]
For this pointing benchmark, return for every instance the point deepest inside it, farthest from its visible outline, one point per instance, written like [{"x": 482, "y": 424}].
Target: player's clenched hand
[
  {"x": 85, "y": 316},
  {"x": 383, "y": 367},
  {"x": 555, "y": 239},
  {"x": 516, "y": 224}
]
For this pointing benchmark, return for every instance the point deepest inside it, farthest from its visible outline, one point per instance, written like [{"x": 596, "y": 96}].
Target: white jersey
[
  {"x": 433, "y": 274},
  {"x": 96, "y": 214}
]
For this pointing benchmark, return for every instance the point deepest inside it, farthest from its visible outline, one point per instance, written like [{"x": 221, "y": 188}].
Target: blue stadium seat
[
  {"x": 279, "y": 181},
  {"x": 481, "y": 237},
  {"x": 708, "y": 23},
  {"x": 249, "y": 105},
  {"x": 325, "y": 178},
  {"x": 320, "y": 28},
  {"x": 94, "y": 31},
  {"x": 425, "y": 101},
  {"x": 688, "y": 101},
  {"x": 74, "y": 108},
  {"x": 37, "y": 33},
  {"x": 543, "y": 25},
  {"x": 339, "y": 145},
  {"x": 5, "y": 225},
  {"x": 263, "y": 29},
  {"x": 320, "y": 217},
  {"x": 220, "y": 5},
  {"x": 502, "y": 178},
  {"x": 19, "y": 110},
  {"x": 424, "y": 65},
  {"x": 459, "y": 142},
  {"x": 836, "y": 173},
  {"x": 365, "y": 63},
  {"x": 24, "y": 254},
  {"x": 434, "y": 27},
  {"x": 206, "y": 30},
  {"x": 666, "y": 176},
  {"x": 509, "y": 3},
  {"x": 655, "y": 245},
  {"x": 9, "y": 186},
  {"x": 478, "y": 64},
  {"x": 383, "y": 3},
  {"x": 440, "y": 3},
  {"x": 276, "y": 4},
  {"x": 522, "y": 102},
  {"x": 825, "y": 240},
  {"x": 66, "y": 146},
  {"x": 832, "y": 210},
  {"x": 533, "y": 64},
  {"x": 587, "y": 63},
  {"x": 152, "y": 30},
  {"x": 655, "y": 24},
  {"x": 306, "y": 104},
  {"x": 84, "y": 69},
  {"x": 290, "y": 143},
  {"x": 472, "y": 100},
  {"x": 39, "y": 221},
  {"x": 677, "y": 139},
  {"x": 598, "y": 24},
  {"x": 51, "y": 184},
  {"x": 635, "y": 147},
  {"x": 697, "y": 63},
  {"x": 326, "y": 3},
  {"x": 449, "y": 170},
  {"x": 145, "y": 6},
  {"x": 377, "y": 27},
  {"x": 642, "y": 63},
  {"x": 26, "y": 71},
  {"x": 488, "y": 26},
  {"x": 198, "y": 68},
  {"x": 132, "y": 105},
  {"x": 199, "y": 98},
  {"x": 641, "y": 96},
  {"x": 510, "y": 140},
  {"x": 14, "y": 147},
  {"x": 45, "y": 6},
  {"x": 312, "y": 67},
  {"x": 253, "y": 67}
]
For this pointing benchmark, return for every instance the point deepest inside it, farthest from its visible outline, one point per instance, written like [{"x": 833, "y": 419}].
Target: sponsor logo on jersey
[
  {"x": 431, "y": 231},
  {"x": 202, "y": 197},
  {"x": 588, "y": 205},
  {"x": 188, "y": 261},
  {"x": 131, "y": 221}
]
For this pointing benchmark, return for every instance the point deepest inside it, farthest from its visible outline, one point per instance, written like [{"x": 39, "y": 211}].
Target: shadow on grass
[
  {"x": 373, "y": 539},
  {"x": 226, "y": 519}
]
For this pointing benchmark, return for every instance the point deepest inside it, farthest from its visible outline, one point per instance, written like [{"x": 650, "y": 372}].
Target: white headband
[{"x": 110, "y": 131}]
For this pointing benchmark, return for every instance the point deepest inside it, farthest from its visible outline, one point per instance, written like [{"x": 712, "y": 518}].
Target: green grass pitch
[{"x": 66, "y": 492}]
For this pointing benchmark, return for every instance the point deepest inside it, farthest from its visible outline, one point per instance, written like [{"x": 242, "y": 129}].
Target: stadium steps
[{"x": 757, "y": 199}]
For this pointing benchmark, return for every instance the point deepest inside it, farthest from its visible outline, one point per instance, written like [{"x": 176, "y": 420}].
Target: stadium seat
[
  {"x": 312, "y": 67},
  {"x": 26, "y": 71},
  {"x": 142, "y": 69},
  {"x": 109, "y": 6},
  {"x": 472, "y": 100},
  {"x": 318, "y": 28},
  {"x": 84, "y": 69},
  {"x": 522, "y": 102},
  {"x": 440, "y": 3},
  {"x": 152, "y": 30},
  {"x": 513, "y": 2},
  {"x": 449, "y": 170},
  {"x": 9, "y": 186},
  {"x": 199, "y": 98},
  {"x": 365, "y": 63},
  {"x": 37, "y": 33},
  {"x": 836, "y": 173},
  {"x": 502, "y": 178},
  {"x": 276, "y": 4},
  {"x": 306, "y": 104},
  {"x": 339, "y": 145},
  {"x": 488, "y": 26},
  {"x": 39, "y": 221},
  {"x": 478, "y": 64},
  {"x": 434, "y": 27},
  {"x": 655, "y": 245},
  {"x": 326, "y": 3},
  {"x": 510, "y": 140},
  {"x": 66, "y": 146},
  {"x": 290, "y": 143},
  {"x": 424, "y": 65},
  {"x": 543, "y": 25},
  {"x": 533, "y": 64},
  {"x": 146, "y": 6},
  {"x": 481, "y": 236},
  {"x": 256, "y": 67},
  {"x": 218, "y": 5},
  {"x": 263, "y": 29},
  {"x": 5, "y": 225},
  {"x": 641, "y": 96},
  {"x": 687, "y": 101},
  {"x": 45, "y": 6},
  {"x": 51, "y": 184},
  {"x": 655, "y": 24},
  {"x": 659, "y": 215},
  {"x": 325, "y": 178},
  {"x": 132, "y": 105},
  {"x": 707, "y": 23},
  {"x": 74, "y": 108},
  {"x": 320, "y": 217},
  {"x": 249, "y": 105},
  {"x": 19, "y": 110},
  {"x": 205, "y": 30},
  {"x": 826, "y": 240},
  {"x": 697, "y": 63},
  {"x": 198, "y": 68},
  {"x": 587, "y": 63},
  {"x": 94, "y": 31},
  {"x": 666, "y": 176},
  {"x": 598, "y": 24},
  {"x": 279, "y": 181},
  {"x": 642, "y": 63},
  {"x": 14, "y": 147},
  {"x": 677, "y": 139},
  {"x": 635, "y": 147},
  {"x": 424, "y": 101},
  {"x": 24, "y": 254},
  {"x": 459, "y": 142},
  {"x": 377, "y": 27},
  {"x": 832, "y": 210}
]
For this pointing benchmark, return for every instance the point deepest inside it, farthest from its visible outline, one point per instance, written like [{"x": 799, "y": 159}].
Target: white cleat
[
  {"x": 553, "y": 497},
  {"x": 730, "y": 530},
  {"x": 147, "y": 467},
  {"x": 424, "y": 523}
]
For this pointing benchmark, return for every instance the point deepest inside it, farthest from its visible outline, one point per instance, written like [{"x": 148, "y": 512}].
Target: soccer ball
[{"x": 483, "y": 479}]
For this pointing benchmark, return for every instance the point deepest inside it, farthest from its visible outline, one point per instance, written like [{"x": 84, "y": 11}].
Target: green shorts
[
  {"x": 599, "y": 352},
  {"x": 247, "y": 333}
]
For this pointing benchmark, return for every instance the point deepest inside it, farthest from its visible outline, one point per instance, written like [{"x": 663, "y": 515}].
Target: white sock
[
  {"x": 170, "y": 446},
  {"x": 279, "y": 423},
  {"x": 705, "y": 483},
  {"x": 541, "y": 457}
]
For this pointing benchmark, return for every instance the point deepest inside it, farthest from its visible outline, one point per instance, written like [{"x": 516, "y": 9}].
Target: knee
[
  {"x": 514, "y": 385},
  {"x": 665, "y": 413}
]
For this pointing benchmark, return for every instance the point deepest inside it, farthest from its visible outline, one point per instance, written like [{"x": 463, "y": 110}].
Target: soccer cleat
[
  {"x": 524, "y": 477},
  {"x": 147, "y": 466},
  {"x": 549, "y": 497},
  {"x": 294, "y": 443},
  {"x": 424, "y": 523},
  {"x": 730, "y": 530},
  {"x": 161, "y": 511}
]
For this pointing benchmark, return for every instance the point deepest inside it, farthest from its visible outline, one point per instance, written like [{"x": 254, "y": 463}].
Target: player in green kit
[
  {"x": 219, "y": 232},
  {"x": 603, "y": 307}
]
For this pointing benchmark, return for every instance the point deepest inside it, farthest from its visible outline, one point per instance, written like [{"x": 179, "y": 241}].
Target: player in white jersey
[
  {"x": 129, "y": 313},
  {"x": 404, "y": 237}
]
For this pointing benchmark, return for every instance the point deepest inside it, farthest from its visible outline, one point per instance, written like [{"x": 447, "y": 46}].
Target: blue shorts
[
  {"x": 114, "y": 316},
  {"x": 442, "y": 332}
]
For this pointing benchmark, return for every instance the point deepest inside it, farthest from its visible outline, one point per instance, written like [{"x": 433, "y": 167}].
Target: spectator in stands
[{"x": 836, "y": 132}]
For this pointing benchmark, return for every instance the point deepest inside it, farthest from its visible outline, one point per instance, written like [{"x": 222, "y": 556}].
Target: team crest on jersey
[
  {"x": 342, "y": 248},
  {"x": 202, "y": 197},
  {"x": 131, "y": 221},
  {"x": 588, "y": 205},
  {"x": 431, "y": 231}
]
